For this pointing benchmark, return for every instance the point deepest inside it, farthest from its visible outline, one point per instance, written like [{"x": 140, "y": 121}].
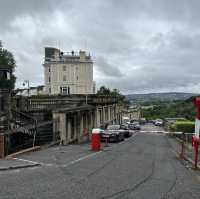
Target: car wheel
[{"x": 120, "y": 138}]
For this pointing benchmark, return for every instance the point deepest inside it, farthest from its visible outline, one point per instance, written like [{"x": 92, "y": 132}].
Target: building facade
[
  {"x": 133, "y": 113},
  {"x": 76, "y": 124},
  {"x": 68, "y": 73}
]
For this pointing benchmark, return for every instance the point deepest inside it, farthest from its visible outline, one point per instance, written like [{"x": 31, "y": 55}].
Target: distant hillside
[{"x": 151, "y": 97}]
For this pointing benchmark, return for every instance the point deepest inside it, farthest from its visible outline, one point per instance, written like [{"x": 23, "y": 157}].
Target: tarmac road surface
[{"x": 143, "y": 166}]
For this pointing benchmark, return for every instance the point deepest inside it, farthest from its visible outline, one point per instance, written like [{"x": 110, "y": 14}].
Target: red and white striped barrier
[{"x": 195, "y": 138}]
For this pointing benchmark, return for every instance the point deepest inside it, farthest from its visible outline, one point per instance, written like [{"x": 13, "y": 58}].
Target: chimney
[{"x": 82, "y": 55}]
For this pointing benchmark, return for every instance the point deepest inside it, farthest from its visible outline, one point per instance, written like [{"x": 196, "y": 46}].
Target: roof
[{"x": 75, "y": 109}]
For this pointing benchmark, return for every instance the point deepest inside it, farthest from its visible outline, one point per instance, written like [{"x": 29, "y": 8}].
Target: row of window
[
  {"x": 64, "y": 68},
  {"x": 64, "y": 78}
]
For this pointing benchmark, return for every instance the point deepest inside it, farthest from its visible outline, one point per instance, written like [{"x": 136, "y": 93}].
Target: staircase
[
  {"x": 44, "y": 133},
  {"x": 41, "y": 132}
]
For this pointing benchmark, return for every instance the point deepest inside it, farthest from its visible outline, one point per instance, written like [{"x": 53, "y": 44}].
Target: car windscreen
[{"x": 113, "y": 127}]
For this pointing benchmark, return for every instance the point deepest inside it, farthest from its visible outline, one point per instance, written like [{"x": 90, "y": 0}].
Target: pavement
[{"x": 143, "y": 166}]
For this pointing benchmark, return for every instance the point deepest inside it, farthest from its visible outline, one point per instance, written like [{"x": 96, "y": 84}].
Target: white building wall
[{"x": 78, "y": 76}]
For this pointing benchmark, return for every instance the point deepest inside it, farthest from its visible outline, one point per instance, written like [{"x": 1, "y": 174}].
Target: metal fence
[{"x": 187, "y": 149}]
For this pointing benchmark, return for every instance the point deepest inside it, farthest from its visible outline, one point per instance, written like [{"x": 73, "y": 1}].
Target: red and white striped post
[{"x": 195, "y": 138}]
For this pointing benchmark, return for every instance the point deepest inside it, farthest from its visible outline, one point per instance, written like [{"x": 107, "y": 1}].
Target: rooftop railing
[{"x": 46, "y": 103}]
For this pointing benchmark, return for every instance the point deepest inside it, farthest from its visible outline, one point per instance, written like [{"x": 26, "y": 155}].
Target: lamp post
[{"x": 28, "y": 85}]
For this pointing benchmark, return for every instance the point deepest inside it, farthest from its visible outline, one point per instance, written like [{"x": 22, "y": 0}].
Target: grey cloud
[
  {"x": 10, "y": 9},
  {"x": 137, "y": 45},
  {"x": 107, "y": 69}
]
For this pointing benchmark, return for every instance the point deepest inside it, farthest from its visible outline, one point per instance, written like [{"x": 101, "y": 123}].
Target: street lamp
[{"x": 28, "y": 85}]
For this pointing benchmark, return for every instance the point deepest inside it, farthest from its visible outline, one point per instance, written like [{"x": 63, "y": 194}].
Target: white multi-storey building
[{"x": 68, "y": 73}]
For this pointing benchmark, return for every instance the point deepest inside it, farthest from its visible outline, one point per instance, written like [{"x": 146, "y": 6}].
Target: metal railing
[
  {"x": 25, "y": 124},
  {"x": 35, "y": 103}
]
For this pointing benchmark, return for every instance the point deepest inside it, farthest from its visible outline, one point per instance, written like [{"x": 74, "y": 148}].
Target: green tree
[
  {"x": 120, "y": 98},
  {"x": 104, "y": 91},
  {"x": 115, "y": 93},
  {"x": 184, "y": 109},
  {"x": 7, "y": 61}
]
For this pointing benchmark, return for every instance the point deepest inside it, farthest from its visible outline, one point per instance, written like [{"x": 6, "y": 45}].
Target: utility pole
[{"x": 28, "y": 85}]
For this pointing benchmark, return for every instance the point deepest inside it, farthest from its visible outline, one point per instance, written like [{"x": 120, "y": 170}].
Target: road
[{"x": 143, "y": 166}]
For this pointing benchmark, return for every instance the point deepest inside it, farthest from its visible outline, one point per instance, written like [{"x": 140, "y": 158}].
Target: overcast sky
[{"x": 137, "y": 45}]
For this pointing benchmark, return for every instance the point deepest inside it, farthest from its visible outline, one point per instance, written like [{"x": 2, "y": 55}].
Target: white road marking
[
  {"x": 163, "y": 132},
  {"x": 65, "y": 165},
  {"x": 29, "y": 161},
  {"x": 80, "y": 159}
]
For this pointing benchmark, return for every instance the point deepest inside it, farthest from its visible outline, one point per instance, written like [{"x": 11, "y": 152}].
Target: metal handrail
[{"x": 31, "y": 119}]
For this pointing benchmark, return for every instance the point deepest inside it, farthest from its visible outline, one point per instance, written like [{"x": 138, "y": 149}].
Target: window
[
  {"x": 2, "y": 104},
  {"x": 64, "y": 68},
  {"x": 65, "y": 90},
  {"x": 49, "y": 90},
  {"x": 64, "y": 78},
  {"x": 49, "y": 79},
  {"x": 76, "y": 73},
  {"x": 49, "y": 69}
]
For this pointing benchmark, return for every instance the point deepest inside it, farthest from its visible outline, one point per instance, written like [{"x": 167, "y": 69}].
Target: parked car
[
  {"x": 142, "y": 121},
  {"x": 113, "y": 133},
  {"x": 125, "y": 129},
  {"x": 134, "y": 126},
  {"x": 151, "y": 121},
  {"x": 158, "y": 122},
  {"x": 134, "y": 120},
  {"x": 125, "y": 120}
]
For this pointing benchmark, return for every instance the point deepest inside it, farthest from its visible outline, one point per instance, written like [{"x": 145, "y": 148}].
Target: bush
[{"x": 183, "y": 126}]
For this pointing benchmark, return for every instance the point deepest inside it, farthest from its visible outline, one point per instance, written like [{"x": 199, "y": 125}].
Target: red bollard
[
  {"x": 96, "y": 140},
  {"x": 195, "y": 141}
]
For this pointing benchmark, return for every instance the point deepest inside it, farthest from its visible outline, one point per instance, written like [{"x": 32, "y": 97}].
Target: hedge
[{"x": 183, "y": 126}]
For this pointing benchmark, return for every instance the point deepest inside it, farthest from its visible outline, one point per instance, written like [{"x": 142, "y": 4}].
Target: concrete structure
[
  {"x": 37, "y": 90},
  {"x": 68, "y": 73},
  {"x": 5, "y": 96},
  {"x": 73, "y": 116}
]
